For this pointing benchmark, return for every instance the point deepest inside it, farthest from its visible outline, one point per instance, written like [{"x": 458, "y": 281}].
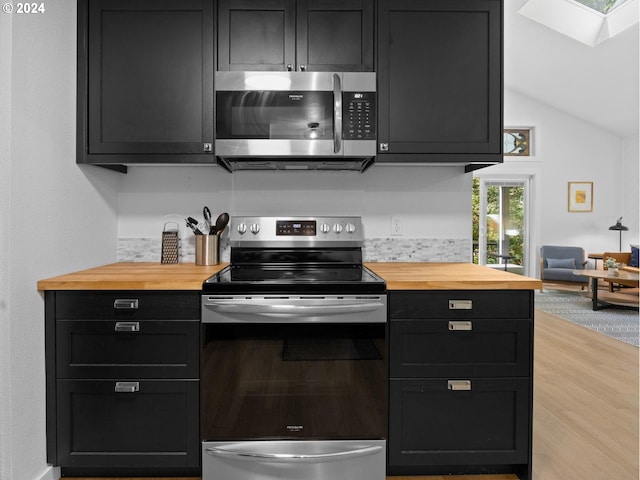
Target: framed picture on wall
[{"x": 580, "y": 196}]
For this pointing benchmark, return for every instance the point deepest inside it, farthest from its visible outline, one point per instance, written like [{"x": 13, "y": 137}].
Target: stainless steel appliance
[
  {"x": 293, "y": 360},
  {"x": 295, "y": 120}
]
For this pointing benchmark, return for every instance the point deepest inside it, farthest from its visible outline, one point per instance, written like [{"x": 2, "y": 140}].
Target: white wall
[
  {"x": 567, "y": 149},
  {"x": 432, "y": 202},
  {"x": 5, "y": 256},
  {"x": 630, "y": 193},
  {"x": 56, "y": 217}
]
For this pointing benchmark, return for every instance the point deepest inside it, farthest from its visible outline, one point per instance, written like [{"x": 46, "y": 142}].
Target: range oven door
[
  {"x": 296, "y": 383},
  {"x": 308, "y": 460}
]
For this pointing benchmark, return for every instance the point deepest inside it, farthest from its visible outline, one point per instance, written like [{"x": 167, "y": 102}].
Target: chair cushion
[
  {"x": 561, "y": 263},
  {"x": 563, "y": 274}
]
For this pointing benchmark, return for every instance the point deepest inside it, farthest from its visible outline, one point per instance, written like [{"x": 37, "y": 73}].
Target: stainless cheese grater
[{"x": 170, "y": 244}]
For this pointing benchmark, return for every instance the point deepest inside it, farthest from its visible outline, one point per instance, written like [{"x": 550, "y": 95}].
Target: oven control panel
[
  {"x": 303, "y": 228},
  {"x": 296, "y": 230}
]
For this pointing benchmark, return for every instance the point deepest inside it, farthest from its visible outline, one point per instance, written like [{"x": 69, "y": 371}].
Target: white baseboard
[{"x": 50, "y": 473}]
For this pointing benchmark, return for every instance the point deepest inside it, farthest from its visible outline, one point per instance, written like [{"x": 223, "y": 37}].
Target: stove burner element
[
  {"x": 292, "y": 255},
  {"x": 335, "y": 274}
]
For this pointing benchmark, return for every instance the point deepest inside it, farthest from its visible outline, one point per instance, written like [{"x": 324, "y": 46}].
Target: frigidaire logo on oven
[
  {"x": 296, "y": 97},
  {"x": 295, "y": 428}
]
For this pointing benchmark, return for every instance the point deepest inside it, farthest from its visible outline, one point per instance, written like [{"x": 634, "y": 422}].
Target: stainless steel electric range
[{"x": 293, "y": 360}]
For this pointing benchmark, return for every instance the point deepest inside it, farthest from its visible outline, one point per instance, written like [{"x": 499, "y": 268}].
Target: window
[
  {"x": 602, "y": 6},
  {"x": 500, "y": 223},
  {"x": 588, "y": 21},
  {"x": 516, "y": 142}
]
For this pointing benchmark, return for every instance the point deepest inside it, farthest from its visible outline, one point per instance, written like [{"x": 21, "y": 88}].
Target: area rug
[{"x": 577, "y": 308}]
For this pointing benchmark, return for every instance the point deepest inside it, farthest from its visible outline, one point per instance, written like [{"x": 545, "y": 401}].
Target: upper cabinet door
[
  {"x": 335, "y": 35},
  {"x": 145, "y": 79},
  {"x": 440, "y": 80},
  {"x": 295, "y": 35},
  {"x": 256, "y": 35}
]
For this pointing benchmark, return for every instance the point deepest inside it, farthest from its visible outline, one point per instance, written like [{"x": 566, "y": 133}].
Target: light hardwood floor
[{"x": 586, "y": 406}]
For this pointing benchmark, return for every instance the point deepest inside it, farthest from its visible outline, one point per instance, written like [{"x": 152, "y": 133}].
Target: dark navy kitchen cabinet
[
  {"x": 145, "y": 81},
  {"x": 461, "y": 382},
  {"x": 439, "y": 65},
  {"x": 296, "y": 35},
  {"x": 123, "y": 382}
]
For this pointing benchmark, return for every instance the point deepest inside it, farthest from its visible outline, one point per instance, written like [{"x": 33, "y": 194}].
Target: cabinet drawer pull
[
  {"x": 127, "y": 327},
  {"x": 125, "y": 303},
  {"x": 460, "y": 326},
  {"x": 127, "y": 387},
  {"x": 460, "y": 304},
  {"x": 459, "y": 385}
]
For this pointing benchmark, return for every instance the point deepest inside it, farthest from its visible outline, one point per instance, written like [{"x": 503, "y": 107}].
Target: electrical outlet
[{"x": 396, "y": 226}]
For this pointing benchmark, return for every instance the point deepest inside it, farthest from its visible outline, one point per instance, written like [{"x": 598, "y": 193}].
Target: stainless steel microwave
[{"x": 295, "y": 120}]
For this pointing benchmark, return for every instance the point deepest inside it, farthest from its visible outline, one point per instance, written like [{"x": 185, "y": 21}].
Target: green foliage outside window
[
  {"x": 602, "y": 6},
  {"x": 515, "y": 214}
]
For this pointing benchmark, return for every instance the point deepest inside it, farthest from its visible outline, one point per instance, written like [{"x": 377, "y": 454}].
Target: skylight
[
  {"x": 602, "y": 6},
  {"x": 588, "y": 21}
]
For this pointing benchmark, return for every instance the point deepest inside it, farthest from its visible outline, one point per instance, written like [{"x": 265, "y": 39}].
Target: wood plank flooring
[
  {"x": 585, "y": 403},
  {"x": 586, "y": 406}
]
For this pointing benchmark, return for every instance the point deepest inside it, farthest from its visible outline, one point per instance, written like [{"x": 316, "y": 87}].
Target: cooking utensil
[
  {"x": 207, "y": 219},
  {"x": 221, "y": 223},
  {"x": 170, "y": 244},
  {"x": 192, "y": 223}
]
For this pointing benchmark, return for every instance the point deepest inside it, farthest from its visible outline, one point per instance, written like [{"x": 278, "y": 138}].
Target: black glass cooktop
[{"x": 294, "y": 279}]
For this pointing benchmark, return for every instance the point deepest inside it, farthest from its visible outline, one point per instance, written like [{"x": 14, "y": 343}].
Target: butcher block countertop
[
  {"x": 134, "y": 276},
  {"x": 187, "y": 276},
  {"x": 449, "y": 276}
]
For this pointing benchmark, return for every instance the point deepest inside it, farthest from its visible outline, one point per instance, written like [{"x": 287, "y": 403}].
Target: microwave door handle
[{"x": 337, "y": 114}]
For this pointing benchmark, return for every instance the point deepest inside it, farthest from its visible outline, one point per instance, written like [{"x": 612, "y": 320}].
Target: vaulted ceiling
[{"x": 598, "y": 84}]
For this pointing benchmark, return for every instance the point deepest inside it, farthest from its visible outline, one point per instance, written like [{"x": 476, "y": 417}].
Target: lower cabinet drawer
[
  {"x": 473, "y": 348},
  {"x": 127, "y": 305},
  {"x": 448, "y": 422},
  {"x": 145, "y": 424},
  {"x": 460, "y": 304},
  {"x": 126, "y": 349}
]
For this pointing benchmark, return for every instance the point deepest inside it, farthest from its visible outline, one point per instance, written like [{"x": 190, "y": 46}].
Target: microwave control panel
[{"x": 359, "y": 115}]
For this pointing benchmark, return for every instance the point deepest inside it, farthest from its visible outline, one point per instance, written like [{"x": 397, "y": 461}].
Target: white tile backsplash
[
  {"x": 417, "y": 250},
  {"x": 150, "y": 249}
]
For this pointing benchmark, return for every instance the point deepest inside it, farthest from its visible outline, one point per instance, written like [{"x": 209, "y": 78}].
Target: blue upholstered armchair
[{"x": 558, "y": 263}]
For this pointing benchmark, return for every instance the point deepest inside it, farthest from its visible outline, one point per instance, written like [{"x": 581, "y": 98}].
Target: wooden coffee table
[{"x": 609, "y": 300}]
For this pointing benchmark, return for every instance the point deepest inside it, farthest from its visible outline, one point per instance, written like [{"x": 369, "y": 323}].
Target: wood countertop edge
[{"x": 398, "y": 276}]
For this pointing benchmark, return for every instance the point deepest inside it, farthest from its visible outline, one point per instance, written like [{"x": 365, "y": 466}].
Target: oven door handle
[
  {"x": 252, "y": 456},
  {"x": 287, "y": 310}
]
